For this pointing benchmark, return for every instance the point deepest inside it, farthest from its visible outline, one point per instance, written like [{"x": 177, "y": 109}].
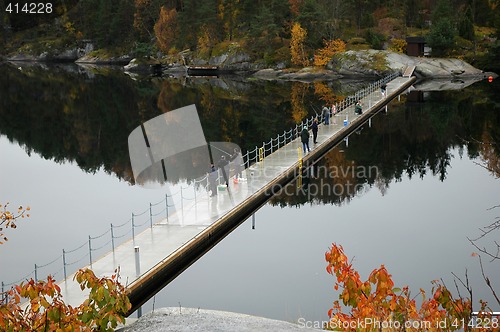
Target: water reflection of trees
[
  {"x": 84, "y": 117},
  {"x": 412, "y": 139}
]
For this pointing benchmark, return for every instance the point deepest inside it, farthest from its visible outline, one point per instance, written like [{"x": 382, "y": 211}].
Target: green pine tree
[{"x": 442, "y": 33}]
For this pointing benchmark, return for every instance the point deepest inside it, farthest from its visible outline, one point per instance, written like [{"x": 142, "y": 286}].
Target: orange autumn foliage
[
  {"x": 375, "y": 301},
  {"x": 325, "y": 54},
  {"x": 105, "y": 307}
]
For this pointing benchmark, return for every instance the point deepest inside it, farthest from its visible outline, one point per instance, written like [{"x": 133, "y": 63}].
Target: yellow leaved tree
[
  {"x": 325, "y": 54},
  {"x": 299, "y": 35},
  {"x": 166, "y": 29}
]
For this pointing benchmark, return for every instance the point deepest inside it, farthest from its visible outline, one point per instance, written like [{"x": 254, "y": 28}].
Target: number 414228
[{"x": 29, "y": 8}]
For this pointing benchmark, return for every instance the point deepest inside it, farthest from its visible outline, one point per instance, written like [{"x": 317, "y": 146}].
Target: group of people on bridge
[{"x": 326, "y": 114}]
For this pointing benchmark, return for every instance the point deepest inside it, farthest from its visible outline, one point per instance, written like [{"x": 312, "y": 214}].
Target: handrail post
[
  {"x": 112, "y": 238},
  {"x": 133, "y": 227},
  {"x": 64, "y": 264},
  {"x": 150, "y": 215},
  {"x": 137, "y": 273},
  {"x": 166, "y": 205},
  {"x": 90, "y": 251},
  {"x": 5, "y": 295},
  {"x": 194, "y": 188}
]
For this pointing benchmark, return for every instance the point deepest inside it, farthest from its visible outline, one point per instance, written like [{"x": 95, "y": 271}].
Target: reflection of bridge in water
[{"x": 154, "y": 257}]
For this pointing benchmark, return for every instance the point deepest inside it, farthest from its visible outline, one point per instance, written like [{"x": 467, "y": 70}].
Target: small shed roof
[{"x": 415, "y": 40}]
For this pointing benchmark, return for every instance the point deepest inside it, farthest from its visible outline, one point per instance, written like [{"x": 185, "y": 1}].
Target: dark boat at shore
[{"x": 203, "y": 70}]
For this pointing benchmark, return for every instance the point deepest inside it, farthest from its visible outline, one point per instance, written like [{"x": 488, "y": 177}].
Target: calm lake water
[{"x": 63, "y": 148}]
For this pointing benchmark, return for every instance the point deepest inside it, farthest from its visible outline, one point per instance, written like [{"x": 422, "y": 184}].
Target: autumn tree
[
  {"x": 398, "y": 45},
  {"x": 8, "y": 219},
  {"x": 106, "y": 305},
  {"x": 377, "y": 300},
  {"x": 228, "y": 13},
  {"x": 299, "y": 35},
  {"x": 325, "y": 54},
  {"x": 145, "y": 16},
  {"x": 166, "y": 29}
]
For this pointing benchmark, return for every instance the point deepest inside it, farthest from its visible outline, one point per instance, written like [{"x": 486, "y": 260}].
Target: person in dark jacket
[
  {"x": 314, "y": 128},
  {"x": 304, "y": 137}
]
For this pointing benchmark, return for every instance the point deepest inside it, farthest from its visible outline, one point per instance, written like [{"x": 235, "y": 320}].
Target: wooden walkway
[{"x": 169, "y": 247}]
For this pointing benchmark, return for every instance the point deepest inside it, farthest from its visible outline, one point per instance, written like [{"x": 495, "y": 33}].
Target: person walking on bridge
[
  {"x": 314, "y": 128},
  {"x": 326, "y": 115},
  {"x": 304, "y": 137}
]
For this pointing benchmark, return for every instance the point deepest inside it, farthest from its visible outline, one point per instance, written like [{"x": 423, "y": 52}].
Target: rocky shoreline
[{"x": 350, "y": 64}]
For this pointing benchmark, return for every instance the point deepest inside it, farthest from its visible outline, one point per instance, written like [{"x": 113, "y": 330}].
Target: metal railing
[
  {"x": 253, "y": 156},
  {"x": 88, "y": 250},
  {"x": 72, "y": 259}
]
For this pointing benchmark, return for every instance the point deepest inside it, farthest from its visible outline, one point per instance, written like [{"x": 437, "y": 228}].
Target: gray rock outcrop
[
  {"x": 95, "y": 59},
  {"x": 380, "y": 63},
  {"x": 190, "y": 319}
]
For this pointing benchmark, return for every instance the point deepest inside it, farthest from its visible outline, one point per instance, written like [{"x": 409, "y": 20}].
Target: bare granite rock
[
  {"x": 380, "y": 63},
  {"x": 192, "y": 320}
]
